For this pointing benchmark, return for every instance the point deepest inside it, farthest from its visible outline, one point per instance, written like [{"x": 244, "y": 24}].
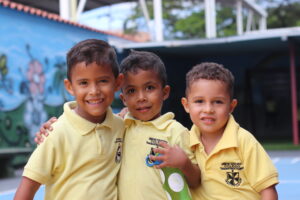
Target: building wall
[{"x": 32, "y": 69}]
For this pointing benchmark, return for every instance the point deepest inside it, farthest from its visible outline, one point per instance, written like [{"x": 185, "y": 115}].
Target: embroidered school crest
[
  {"x": 118, "y": 156},
  {"x": 233, "y": 176}
]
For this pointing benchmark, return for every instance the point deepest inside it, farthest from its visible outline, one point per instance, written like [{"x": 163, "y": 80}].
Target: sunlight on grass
[{"x": 280, "y": 145}]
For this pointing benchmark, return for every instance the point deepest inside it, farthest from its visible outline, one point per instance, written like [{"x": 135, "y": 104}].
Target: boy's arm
[
  {"x": 26, "y": 189},
  {"x": 269, "y": 193},
  {"x": 175, "y": 157}
]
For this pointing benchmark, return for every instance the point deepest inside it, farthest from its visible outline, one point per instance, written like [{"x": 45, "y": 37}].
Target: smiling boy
[
  {"x": 81, "y": 157},
  {"x": 143, "y": 92},
  {"x": 233, "y": 164}
]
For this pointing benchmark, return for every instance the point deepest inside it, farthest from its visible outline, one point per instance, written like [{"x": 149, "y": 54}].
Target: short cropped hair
[
  {"x": 92, "y": 50},
  {"x": 145, "y": 61},
  {"x": 210, "y": 71}
]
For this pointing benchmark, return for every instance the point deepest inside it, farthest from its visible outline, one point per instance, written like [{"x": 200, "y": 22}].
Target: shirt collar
[
  {"x": 160, "y": 123},
  {"x": 228, "y": 139},
  {"x": 84, "y": 126}
]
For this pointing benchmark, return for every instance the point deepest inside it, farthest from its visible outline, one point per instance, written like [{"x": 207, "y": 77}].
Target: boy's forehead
[
  {"x": 151, "y": 73},
  {"x": 140, "y": 76},
  {"x": 207, "y": 83},
  {"x": 79, "y": 69}
]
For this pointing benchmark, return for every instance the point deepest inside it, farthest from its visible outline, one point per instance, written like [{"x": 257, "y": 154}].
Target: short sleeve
[
  {"x": 43, "y": 163},
  {"x": 259, "y": 168}
]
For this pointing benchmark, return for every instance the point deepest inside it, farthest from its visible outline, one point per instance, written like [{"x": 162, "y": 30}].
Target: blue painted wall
[{"x": 32, "y": 69}]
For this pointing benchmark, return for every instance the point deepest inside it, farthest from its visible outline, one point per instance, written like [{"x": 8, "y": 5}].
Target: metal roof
[
  {"x": 267, "y": 40},
  {"x": 53, "y": 5}
]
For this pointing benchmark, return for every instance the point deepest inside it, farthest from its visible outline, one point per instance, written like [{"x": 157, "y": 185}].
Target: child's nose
[
  {"x": 94, "y": 89},
  {"x": 208, "y": 108},
  {"x": 141, "y": 96}
]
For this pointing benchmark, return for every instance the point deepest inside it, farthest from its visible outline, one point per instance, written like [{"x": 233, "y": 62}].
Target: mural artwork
[{"x": 30, "y": 94}]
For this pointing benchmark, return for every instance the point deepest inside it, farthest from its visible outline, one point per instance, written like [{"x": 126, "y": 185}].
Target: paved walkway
[{"x": 287, "y": 163}]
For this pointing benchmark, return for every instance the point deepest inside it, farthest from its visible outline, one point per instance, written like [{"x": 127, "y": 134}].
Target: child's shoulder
[
  {"x": 245, "y": 135},
  {"x": 117, "y": 119},
  {"x": 174, "y": 126}
]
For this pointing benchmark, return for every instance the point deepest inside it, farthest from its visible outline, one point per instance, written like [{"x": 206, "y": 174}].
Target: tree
[
  {"x": 185, "y": 19},
  {"x": 284, "y": 13}
]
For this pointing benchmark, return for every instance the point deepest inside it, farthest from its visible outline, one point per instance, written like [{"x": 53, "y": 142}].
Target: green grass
[{"x": 280, "y": 145}]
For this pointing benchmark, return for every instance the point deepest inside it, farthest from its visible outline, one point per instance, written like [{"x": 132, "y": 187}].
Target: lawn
[{"x": 280, "y": 145}]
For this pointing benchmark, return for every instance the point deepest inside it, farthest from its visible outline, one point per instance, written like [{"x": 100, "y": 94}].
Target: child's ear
[
  {"x": 68, "y": 86},
  {"x": 233, "y": 104},
  {"x": 119, "y": 82},
  {"x": 184, "y": 102},
  {"x": 123, "y": 99},
  {"x": 166, "y": 91}
]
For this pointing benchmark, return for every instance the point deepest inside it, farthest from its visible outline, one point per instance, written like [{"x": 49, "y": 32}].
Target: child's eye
[
  {"x": 219, "y": 102},
  {"x": 103, "y": 81},
  {"x": 198, "y": 101},
  {"x": 83, "y": 83},
  {"x": 130, "y": 91},
  {"x": 150, "y": 87}
]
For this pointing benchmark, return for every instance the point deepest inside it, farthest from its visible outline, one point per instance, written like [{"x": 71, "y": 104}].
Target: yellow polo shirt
[
  {"x": 237, "y": 168},
  {"x": 79, "y": 159},
  {"x": 136, "y": 180}
]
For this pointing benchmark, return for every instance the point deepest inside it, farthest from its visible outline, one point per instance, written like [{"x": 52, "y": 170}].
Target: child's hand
[
  {"x": 123, "y": 112},
  {"x": 44, "y": 130},
  {"x": 171, "y": 156}
]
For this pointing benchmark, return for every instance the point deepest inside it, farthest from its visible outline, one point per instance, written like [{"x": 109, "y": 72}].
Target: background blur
[{"x": 257, "y": 40}]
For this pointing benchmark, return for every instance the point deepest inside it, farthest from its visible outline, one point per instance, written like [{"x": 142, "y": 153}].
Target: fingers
[
  {"x": 38, "y": 138},
  {"x": 159, "y": 150},
  {"x": 53, "y": 119},
  {"x": 163, "y": 144},
  {"x": 47, "y": 126},
  {"x": 123, "y": 112}
]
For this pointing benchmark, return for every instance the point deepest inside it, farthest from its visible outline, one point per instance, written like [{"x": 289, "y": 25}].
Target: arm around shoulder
[
  {"x": 269, "y": 193},
  {"x": 26, "y": 189}
]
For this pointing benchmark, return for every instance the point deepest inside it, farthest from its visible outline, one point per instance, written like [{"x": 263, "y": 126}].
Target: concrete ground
[{"x": 287, "y": 163}]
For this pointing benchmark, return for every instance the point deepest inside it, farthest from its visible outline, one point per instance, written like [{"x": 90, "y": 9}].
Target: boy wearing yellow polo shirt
[
  {"x": 233, "y": 164},
  {"x": 81, "y": 158},
  {"x": 143, "y": 91}
]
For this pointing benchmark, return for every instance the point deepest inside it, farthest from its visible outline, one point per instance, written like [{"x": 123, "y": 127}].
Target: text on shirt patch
[
  {"x": 155, "y": 141},
  {"x": 118, "y": 156},
  {"x": 232, "y": 176}
]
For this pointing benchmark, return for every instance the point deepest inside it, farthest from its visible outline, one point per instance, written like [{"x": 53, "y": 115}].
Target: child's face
[
  {"x": 209, "y": 105},
  {"x": 93, "y": 87},
  {"x": 143, "y": 94}
]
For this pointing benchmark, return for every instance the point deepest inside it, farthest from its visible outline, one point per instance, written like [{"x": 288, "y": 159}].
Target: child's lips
[
  {"x": 208, "y": 120},
  {"x": 143, "y": 109},
  {"x": 95, "y": 101}
]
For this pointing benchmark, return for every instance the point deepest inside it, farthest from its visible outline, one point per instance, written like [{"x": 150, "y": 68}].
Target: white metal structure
[{"x": 69, "y": 10}]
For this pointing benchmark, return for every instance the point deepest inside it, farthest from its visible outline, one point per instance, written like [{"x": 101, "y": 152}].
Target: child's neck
[{"x": 209, "y": 141}]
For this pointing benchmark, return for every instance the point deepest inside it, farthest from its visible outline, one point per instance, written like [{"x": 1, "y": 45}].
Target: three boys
[{"x": 233, "y": 163}]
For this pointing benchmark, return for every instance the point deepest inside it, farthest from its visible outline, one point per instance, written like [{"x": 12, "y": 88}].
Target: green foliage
[
  {"x": 285, "y": 14},
  {"x": 192, "y": 26},
  {"x": 226, "y": 22},
  {"x": 187, "y": 20}
]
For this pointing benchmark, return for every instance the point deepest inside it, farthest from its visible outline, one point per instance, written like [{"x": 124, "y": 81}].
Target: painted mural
[
  {"x": 27, "y": 99},
  {"x": 32, "y": 69}
]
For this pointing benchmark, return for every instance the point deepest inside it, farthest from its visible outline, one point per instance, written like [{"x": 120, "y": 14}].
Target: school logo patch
[
  {"x": 233, "y": 176},
  {"x": 118, "y": 156}
]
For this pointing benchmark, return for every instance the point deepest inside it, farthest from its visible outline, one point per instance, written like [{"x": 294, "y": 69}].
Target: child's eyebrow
[
  {"x": 150, "y": 82},
  {"x": 128, "y": 86}
]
